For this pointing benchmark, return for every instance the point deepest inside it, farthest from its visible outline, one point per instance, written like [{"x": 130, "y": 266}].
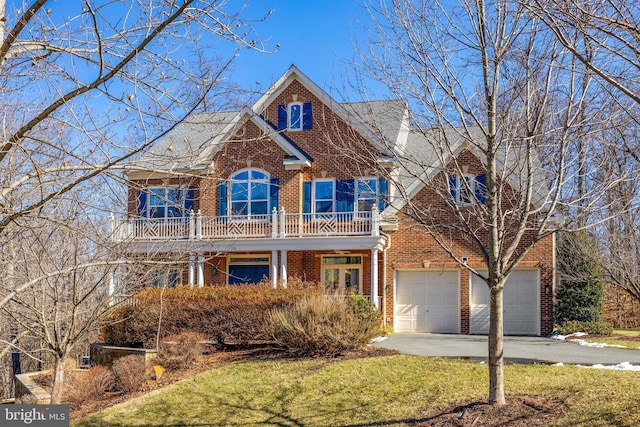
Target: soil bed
[{"x": 520, "y": 411}]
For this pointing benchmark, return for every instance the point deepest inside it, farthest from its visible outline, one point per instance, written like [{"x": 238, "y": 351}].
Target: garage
[
  {"x": 521, "y": 304},
  {"x": 427, "y": 301}
]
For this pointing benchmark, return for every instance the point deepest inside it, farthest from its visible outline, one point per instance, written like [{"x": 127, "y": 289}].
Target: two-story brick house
[{"x": 299, "y": 185}]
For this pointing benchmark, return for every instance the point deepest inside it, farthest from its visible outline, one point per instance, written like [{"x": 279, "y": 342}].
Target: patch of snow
[
  {"x": 378, "y": 339},
  {"x": 558, "y": 364},
  {"x": 564, "y": 337},
  {"x": 597, "y": 344},
  {"x": 624, "y": 366}
]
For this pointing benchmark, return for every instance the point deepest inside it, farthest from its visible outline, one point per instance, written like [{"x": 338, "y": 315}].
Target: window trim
[
  {"x": 459, "y": 187},
  {"x": 290, "y": 126},
  {"x": 248, "y": 257},
  {"x": 375, "y": 198},
  {"x": 342, "y": 267},
  {"x": 183, "y": 194},
  {"x": 314, "y": 200},
  {"x": 161, "y": 277},
  {"x": 231, "y": 180}
]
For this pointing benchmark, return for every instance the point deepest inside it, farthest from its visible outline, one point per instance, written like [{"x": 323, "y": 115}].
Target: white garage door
[
  {"x": 427, "y": 302},
  {"x": 521, "y": 304}
]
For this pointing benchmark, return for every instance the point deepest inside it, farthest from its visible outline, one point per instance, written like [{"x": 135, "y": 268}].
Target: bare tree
[
  {"x": 604, "y": 35},
  {"x": 486, "y": 80},
  {"x": 86, "y": 86},
  {"x": 69, "y": 295}
]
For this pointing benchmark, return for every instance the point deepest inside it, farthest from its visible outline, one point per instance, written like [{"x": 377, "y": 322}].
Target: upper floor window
[
  {"x": 165, "y": 202},
  {"x": 367, "y": 194},
  {"x": 248, "y": 192},
  {"x": 295, "y": 116},
  {"x": 466, "y": 189},
  {"x": 344, "y": 195},
  {"x": 324, "y": 195}
]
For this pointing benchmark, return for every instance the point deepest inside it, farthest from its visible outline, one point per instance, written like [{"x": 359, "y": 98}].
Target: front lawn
[{"x": 387, "y": 390}]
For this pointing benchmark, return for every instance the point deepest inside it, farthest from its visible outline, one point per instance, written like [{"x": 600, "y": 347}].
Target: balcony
[{"x": 277, "y": 225}]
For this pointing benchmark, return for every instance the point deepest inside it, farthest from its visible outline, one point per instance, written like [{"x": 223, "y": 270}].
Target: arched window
[{"x": 248, "y": 192}]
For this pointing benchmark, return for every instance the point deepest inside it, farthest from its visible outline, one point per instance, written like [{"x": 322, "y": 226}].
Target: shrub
[
  {"x": 181, "y": 350},
  {"x": 93, "y": 383},
  {"x": 324, "y": 325},
  {"x": 223, "y": 313},
  {"x": 129, "y": 373},
  {"x": 580, "y": 294},
  {"x": 573, "y": 326}
]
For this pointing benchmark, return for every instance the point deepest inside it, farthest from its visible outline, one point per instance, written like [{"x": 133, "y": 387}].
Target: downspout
[{"x": 384, "y": 277}]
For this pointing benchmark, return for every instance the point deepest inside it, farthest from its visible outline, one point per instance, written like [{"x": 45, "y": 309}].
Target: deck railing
[{"x": 277, "y": 225}]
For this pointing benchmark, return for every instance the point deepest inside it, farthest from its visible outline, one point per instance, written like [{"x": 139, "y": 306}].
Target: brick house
[{"x": 299, "y": 185}]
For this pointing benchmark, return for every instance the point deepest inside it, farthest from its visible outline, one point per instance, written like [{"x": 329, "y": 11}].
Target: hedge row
[{"x": 223, "y": 314}]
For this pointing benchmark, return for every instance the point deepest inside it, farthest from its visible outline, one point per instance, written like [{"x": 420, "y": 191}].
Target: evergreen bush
[{"x": 580, "y": 293}]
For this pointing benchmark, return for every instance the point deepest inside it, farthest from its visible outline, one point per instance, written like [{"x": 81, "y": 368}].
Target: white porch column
[
  {"x": 200, "y": 270},
  {"x": 283, "y": 268},
  {"x": 192, "y": 269},
  {"x": 375, "y": 221},
  {"x": 283, "y": 218},
  {"x": 112, "y": 287},
  {"x": 274, "y": 268},
  {"x": 274, "y": 223},
  {"x": 374, "y": 278}
]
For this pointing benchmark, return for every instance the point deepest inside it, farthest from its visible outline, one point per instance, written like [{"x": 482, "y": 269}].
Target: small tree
[{"x": 580, "y": 292}]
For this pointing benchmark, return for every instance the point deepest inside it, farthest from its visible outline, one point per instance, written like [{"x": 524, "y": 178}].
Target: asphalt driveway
[{"x": 516, "y": 349}]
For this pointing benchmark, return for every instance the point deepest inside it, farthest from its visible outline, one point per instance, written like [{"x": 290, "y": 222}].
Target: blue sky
[{"x": 314, "y": 35}]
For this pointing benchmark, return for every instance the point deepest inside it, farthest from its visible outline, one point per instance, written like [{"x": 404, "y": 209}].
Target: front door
[{"x": 342, "y": 273}]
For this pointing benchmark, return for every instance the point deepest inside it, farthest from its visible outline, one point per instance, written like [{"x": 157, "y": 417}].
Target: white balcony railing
[{"x": 277, "y": 225}]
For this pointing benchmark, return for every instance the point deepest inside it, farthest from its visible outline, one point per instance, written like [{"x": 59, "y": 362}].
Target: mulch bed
[{"x": 520, "y": 411}]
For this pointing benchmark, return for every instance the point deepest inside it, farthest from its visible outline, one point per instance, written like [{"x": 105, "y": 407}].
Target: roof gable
[
  {"x": 296, "y": 157},
  {"x": 421, "y": 163},
  {"x": 293, "y": 73}
]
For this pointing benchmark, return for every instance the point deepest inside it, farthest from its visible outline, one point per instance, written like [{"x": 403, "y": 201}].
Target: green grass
[{"x": 385, "y": 390}]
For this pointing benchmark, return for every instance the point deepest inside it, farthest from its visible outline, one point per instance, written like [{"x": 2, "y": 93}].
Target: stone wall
[
  {"x": 25, "y": 385},
  {"x": 105, "y": 354}
]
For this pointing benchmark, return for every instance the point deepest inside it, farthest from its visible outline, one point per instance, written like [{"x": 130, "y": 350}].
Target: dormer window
[{"x": 295, "y": 116}]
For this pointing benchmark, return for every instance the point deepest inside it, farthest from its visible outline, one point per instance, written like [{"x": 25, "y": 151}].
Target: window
[
  {"x": 165, "y": 202},
  {"x": 295, "y": 116},
  {"x": 466, "y": 190},
  {"x": 170, "y": 277},
  {"x": 342, "y": 272},
  {"x": 323, "y": 195},
  {"x": 248, "y": 269},
  {"x": 344, "y": 195},
  {"x": 367, "y": 194},
  {"x": 249, "y": 193}
]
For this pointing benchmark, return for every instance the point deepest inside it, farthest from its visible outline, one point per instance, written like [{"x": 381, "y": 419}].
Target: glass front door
[{"x": 342, "y": 273}]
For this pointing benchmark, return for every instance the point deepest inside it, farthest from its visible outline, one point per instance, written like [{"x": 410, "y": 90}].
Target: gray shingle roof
[{"x": 181, "y": 148}]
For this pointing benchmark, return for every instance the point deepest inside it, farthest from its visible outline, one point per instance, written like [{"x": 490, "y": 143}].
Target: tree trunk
[
  {"x": 496, "y": 347},
  {"x": 58, "y": 380}
]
